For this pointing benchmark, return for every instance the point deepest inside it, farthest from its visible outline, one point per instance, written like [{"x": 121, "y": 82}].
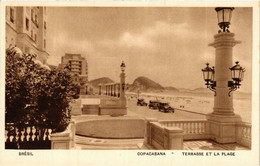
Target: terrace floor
[
  {"x": 88, "y": 143},
  {"x": 211, "y": 145}
]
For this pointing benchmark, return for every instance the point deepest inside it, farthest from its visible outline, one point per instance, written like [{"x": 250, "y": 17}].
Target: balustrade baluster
[
  {"x": 185, "y": 128},
  {"x": 188, "y": 128},
  {"x": 47, "y": 135},
  {"x": 19, "y": 135},
  {"x": 247, "y": 132},
  {"x": 25, "y": 134},
  {"x": 30, "y": 134},
  {"x": 199, "y": 127},
  {"x": 14, "y": 136},
  {"x": 196, "y": 128},
  {"x": 203, "y": 127},
  {"x": 244, "y": 132},
  {"x": 34, "y": 135},
  {"x": 181, "y": 125},
  {"x": 191, "y": 128},
  {"x": 37, "y": 134},
  {"x": 8, "y": 135}
]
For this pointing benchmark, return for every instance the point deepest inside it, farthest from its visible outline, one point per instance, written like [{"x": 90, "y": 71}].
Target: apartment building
[
  {"x": 26, "y": 28},
  {"x": 78, "y": 67}
]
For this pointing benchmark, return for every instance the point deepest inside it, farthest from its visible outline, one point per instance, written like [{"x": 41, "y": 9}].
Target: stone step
[
  {"x": 97, "y": 141},
  {"x": 92, "y": 147},
  {"x": 82, "y": 142}
]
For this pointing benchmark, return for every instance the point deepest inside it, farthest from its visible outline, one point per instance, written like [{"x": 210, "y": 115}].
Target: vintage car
[
  {"x": 154, "y": 104},
  {"x": 141, "y": 102},
  {"x": 165, "y": 107}
]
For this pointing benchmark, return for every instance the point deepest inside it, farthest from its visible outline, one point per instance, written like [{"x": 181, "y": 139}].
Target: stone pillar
[
  {"x": 114, "y": 89},
  {"x": 99, "y": 89},
  {"x": 223, "y": 119},
  {"x": 147, "y": 131},
  {"x": 122, "y": 89},
  {"x": 118, "y": 90},
  {"x": 110, "y": 90},
  {"x": 86, "y": 89}
]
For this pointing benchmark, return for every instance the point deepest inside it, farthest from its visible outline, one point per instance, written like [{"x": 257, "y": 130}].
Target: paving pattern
[
  {"x": 88, "y": 143},
  {"x": 210, "y": 145}
]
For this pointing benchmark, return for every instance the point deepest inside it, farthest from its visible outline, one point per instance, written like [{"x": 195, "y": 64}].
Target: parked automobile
[
  {"x": 153, "y": 104},
  {"x": 141, "y": 102},
  {"x": 165, "y": 107}
]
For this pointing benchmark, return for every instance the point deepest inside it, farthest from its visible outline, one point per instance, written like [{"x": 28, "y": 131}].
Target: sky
[{"x": 166, "y": 44}]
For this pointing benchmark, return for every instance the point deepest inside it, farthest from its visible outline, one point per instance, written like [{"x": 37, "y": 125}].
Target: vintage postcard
[{"x": 129, "y": 83}]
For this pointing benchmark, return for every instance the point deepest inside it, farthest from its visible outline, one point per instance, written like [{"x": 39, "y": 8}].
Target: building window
[
  {"x": 36, "y": 19},
  {"x": 44, "y": 43},
  {"x": 45, "y": 25},
  {"x": 27, "y": 24},
  {"x": 12, "y": 15},
  {"x": 32, "y": 14}
]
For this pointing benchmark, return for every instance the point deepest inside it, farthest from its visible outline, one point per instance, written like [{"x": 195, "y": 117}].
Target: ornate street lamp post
[
  {"x": 208, "y": 74},
  {"x": 237, "y": 74},
  {"x": 122, "y": 84},
  {"x": 222, "y": 121},
  {"x": 224, "y": 17}
]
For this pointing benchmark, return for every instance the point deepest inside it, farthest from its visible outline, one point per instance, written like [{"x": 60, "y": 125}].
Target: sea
[{"x": 200, "y": 102}]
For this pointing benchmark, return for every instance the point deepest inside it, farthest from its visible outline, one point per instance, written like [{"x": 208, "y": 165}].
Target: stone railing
[
  {"x": 65, "y": 139},
  {"x": 193, "y": 129},
  {"x": 162, "y": 137},
  {"x": 243, "y": 134}
]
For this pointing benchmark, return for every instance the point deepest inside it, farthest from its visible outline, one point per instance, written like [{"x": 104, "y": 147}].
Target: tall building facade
[
  {"x": 26, "y": 28},
  {"x": 78, "y": 67}
]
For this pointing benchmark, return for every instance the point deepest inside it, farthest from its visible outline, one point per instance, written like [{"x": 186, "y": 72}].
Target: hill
[
  {"x": 102, "y": 80},
  {"x": 170, "y": 88},
  {"x": 146, "y": 85},
  {"x": 200, "y": 90}
]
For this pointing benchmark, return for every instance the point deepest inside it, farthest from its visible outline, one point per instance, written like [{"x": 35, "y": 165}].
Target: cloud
[
  {"x": 63, "y": 43},
  {"x": 134, "y": 40},
  {"x": 147, "y": 37}
]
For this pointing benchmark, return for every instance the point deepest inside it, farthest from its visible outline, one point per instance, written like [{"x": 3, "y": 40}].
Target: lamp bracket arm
[{"x": 212, "y": 88}]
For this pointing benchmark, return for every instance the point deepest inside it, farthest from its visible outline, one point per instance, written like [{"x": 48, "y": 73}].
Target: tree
[{"x": 36, "y": 95}]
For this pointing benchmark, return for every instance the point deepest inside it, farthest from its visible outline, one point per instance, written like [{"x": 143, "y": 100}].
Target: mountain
[
  {"x": 146, "y": 85},
  {"x": 170, "y": 88},
  {"x": 102, "y": 80},
  {"x": 200, "y": 90}
]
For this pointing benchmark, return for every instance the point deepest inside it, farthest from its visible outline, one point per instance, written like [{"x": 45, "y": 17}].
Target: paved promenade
[
  {"x": 144, "y": 111},
  {"x": 88, "y": 143}
]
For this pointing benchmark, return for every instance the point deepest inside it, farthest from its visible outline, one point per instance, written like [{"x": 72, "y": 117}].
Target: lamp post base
[{"x": 222, "y": 128}]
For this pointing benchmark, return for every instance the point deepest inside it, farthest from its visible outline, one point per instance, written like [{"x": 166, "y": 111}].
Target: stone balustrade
[
  {"x": 111, "y": 89},
  {"x": 65, "y": 139},
  {"x": 199, "y": 129},
  {"x": 193, "y": 129},
  {"x": 162, "y": 137},
  {"x": 243, "y": 134}
]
